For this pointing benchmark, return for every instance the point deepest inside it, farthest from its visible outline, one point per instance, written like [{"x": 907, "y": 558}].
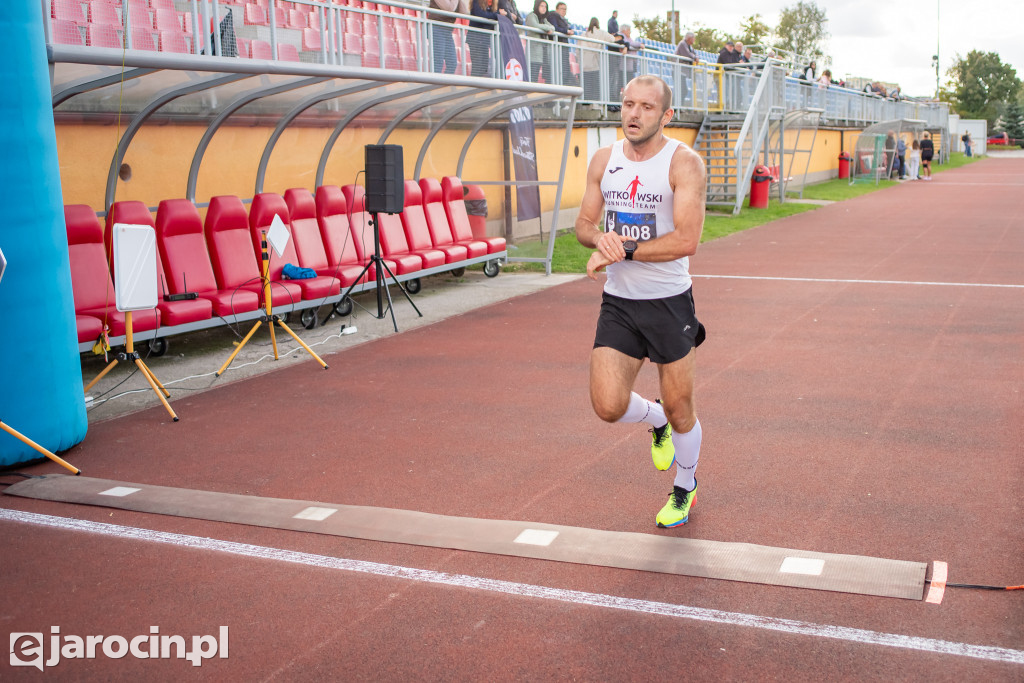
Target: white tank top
[{"x": 638, "y": 204}]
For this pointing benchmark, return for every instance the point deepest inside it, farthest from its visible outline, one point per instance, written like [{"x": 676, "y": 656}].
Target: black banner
[{"x": 524, "y": 143}]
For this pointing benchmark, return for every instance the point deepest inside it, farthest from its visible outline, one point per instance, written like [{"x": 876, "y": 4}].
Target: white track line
[
  {"x": 858, "y": 282},
  {"x": 789, "y": 626}
]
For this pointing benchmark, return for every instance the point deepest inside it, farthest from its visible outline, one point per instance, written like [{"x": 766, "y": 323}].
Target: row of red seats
[{"x": 220, "y": 260}]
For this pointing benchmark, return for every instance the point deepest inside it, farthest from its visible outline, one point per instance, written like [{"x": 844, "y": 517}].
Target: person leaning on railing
[
  {"x": 443, "y": 42},
  {"x": 540, "y": 54},
  {"x": 478, "y": 41},
  {"x": 590, "y": 61}
]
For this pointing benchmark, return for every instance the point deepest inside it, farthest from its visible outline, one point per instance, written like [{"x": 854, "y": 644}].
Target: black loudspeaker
[{"x": 385, "y": 179}]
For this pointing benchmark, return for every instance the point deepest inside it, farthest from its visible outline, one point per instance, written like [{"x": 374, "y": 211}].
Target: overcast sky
[{"x": 887, "y": 40}]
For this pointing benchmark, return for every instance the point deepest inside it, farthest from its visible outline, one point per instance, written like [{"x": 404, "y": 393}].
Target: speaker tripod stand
[
  {"x": 380, "y": 267},
  {"x": 24, "y": 439}
]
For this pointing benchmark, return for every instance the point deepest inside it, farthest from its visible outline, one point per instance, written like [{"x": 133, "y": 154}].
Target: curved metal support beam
[
  {"x": 231, "y": 108},
  {"x": 329, "y": 146},
  {"x": 401, "y": 116},
  {"x": 302, "y": 106},
  {"x": 87, "y": 85},
  {"x": 444, "y": 120},
  {"x": 496, "y": 112},
  {"x": 140, "y": 118}
]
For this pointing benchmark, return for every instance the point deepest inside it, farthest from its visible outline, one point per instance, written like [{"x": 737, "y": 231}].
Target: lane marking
[
  {"x": 940, "y": 570},
  {"x": 788, "y": 626},
  {"x": 315, "y": 514},
  {"x": 119, "y": 491},
  {"x": 536, "y": 537},
  {"x": 802, "y": 565},
  {"x": 859, "y": 282}
]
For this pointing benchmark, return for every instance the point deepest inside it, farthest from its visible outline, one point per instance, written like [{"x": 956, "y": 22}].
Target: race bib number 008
[{"x": 636, "y": 226}]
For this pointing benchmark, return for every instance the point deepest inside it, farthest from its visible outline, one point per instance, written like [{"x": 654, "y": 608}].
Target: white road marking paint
[
  {"x": 536, "y": 537},
  {"x": 315, "y": 514},
  {"x": 787, "y": 626},
  {"x": 802, "y": 565},
  {"x": 858, "y": 282},
  {"x": 119, "y": 491}
]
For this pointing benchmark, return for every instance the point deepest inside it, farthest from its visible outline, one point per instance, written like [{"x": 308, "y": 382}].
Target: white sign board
[
  {"x": 278, "y": 236},
  {"x": 134, "y": 267}
]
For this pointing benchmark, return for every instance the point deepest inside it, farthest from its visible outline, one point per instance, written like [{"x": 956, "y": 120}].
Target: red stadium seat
[
  {"x": 336, "y": 233},
  {"x": 66, "y": 32},
  {"x": 352, "y": 44},
  {"x": 142, "y": 39},
  {"x": 230, "y": 244},
  {"x": 171, "y": 312},
  {"x": 88, "y": 327},
  {"x": 309, "y": 246},
  {"x": 166, "y": 20},
  {"x": 260, "y": 49},
  {"x": 67, "y": 10},
  {"x": 286, "y": 52},
  {"x": 162, "y": 4},
  {"x": 174, "y": 41},
  {"x": 296, "y": 19},
  {"x": 102, "y": 13},
  {"x": 458, "y": 219},
  {"x": 186, "y": 261},
  {"x": 264, "y": 207},
  {"x": 362, "y": 231},
  {"x": 311, "y": 40},
  {"x": 371, "y": 51},
  {"x": 102, "y": 35},
  {"x": 395, "y": 247},
  {"x": 91, "y": 283},
  {"x": 255, "y": 15},
  {"x": 417, "y": 231},
  {"x": 243, "y": 48},
  {"x": 437, "y": 220}
]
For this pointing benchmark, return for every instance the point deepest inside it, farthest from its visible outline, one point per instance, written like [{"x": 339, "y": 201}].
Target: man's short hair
[
  {"x": 666, "y": 92},
  {"x": 561, "y": 4},
  {"x": 728, "y": 42},
  {"x": 689, "y": 34},
  {"x": 625, "y": 27}
]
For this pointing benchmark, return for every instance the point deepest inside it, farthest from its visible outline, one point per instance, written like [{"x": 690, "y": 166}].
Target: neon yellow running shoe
[
  {"x": 677, "y": 509},
  {"x": 663, "y": 451}
]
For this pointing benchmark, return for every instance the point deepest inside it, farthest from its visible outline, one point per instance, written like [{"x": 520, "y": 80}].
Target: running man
[{"x": 647, "y": 306}]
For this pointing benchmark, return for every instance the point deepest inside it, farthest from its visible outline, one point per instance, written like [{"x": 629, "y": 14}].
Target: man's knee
[
  {"x": 609, "y": 409},
  {"x": 681, "y": 416}
]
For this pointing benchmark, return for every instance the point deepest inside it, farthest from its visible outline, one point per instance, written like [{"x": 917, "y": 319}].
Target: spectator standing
[
  {"x": 727, "y": 55},
  {"x": 890, "y": 153},
  {"x": 613, "y": 23},
  {"x": 511, "y": 11},
  {"x": 966, "y": 139},
  {"x": 810, "y": 73},
  {"x": 825, "y": 79},
  {"x": 632, "y": 48},
  {"x": 479, "y": 37},
  {"x": 927, "y": 152},
  {"x": 739, "y": 49},
  {"x": 688, "y": 59},
  {"x": 591, "y": 60},
  {"x": 540, "y": 53},
  {"x": 748, "y": 56},
  {"x": 563, "y": 31},
  {"x": 443, "y": 42},
  {"x": 901, "y": 155},
  {"x": 915, "y": 159}
]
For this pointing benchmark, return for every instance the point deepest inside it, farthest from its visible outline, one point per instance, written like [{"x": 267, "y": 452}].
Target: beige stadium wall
[{"x": 160, "y": 157}]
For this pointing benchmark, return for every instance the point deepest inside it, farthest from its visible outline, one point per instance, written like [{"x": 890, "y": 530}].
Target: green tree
[
  {"x": 708, "y": 39},
  {"x": 1013, "y": 120},
  {"x": 754, "y": 31},
  {"x": 982, "y": 85},
  {"x": 801, "y": 29},
  {"x": 657, "y": 28}
]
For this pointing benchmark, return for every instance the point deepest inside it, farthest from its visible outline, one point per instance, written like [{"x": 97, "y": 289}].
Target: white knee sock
[
  {"x": 687, "y": 454},
  {"x": 642, "y": 410}
]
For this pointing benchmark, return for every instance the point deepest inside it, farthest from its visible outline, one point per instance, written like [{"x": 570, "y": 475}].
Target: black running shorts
[{"x": 663, "y": 330}]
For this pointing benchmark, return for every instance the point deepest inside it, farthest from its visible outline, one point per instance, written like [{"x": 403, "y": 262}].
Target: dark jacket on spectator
[{"x": 561, "y": 26}]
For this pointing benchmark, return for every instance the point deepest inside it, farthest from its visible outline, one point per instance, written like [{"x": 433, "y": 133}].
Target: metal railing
[{"x": 405, "y": 36}]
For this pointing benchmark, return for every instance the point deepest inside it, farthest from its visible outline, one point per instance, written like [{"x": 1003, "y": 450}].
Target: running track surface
[{"x": 850, "y": 402}]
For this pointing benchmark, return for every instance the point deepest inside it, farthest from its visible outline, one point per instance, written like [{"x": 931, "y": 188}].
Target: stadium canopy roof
[{"x": 136, "y": 88}]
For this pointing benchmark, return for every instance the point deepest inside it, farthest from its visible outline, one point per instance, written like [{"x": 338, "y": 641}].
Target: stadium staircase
[{"x": 716, "y": 142}]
